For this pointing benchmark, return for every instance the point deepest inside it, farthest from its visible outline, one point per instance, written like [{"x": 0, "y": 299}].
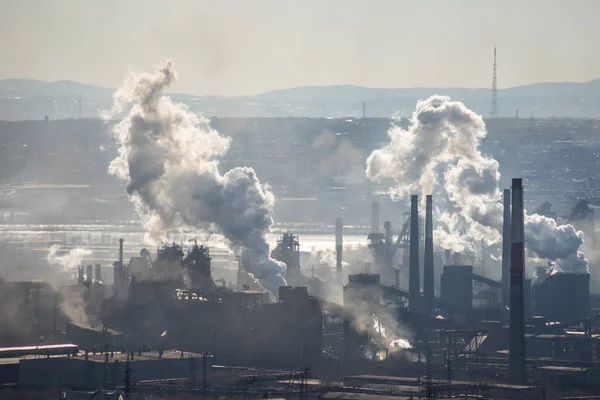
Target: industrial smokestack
[
  {"x": 80, "y": 274},
  {"x": 98, "y": 273},
  {"x": 121, "y": 252},
  {"x": 387, "y": 226},
  {"x": 506, "y": 248},
  {"x": 375, "y": 218},
  {"x": 428, "y": 268},
  {"x": 339, "y": 241},
  {"x": 414, "y": 287},
  {"x": 517, "y": 268},
  {"x": 90, "y": 273}
]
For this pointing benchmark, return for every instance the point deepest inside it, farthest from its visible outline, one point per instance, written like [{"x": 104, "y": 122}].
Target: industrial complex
[
  {"x": 454, "y": 290},
  {"x": 414, "y": 322}
]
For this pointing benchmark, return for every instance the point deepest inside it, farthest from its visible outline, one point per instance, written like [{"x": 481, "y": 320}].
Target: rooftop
[{"x": 116, "y": 356}]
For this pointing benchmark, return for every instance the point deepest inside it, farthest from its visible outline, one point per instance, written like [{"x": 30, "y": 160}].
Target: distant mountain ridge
[{"x": 33, "y": 99}]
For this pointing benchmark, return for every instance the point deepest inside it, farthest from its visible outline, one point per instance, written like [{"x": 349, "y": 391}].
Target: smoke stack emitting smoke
[
  {"x": 169, "y": 158},
  {"x": 440, "y": 154}
]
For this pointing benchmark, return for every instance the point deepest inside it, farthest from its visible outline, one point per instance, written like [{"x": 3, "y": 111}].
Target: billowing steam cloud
[
  {"x": 69, "y": 261},
  {"x": 169, "y": 158},
  {"x": 557, "y": 243},
  {"x": 440, "y": 154}
]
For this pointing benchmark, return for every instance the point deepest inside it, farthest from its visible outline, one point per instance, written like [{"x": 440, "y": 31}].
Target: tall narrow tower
[
  {"x": 428, "y": 291},
  {"x": 516, "y": 361},
  {"x": 494, "y": 110},
  {"x": 339, "y": 240},
  {"x": 414, "y": 284},
  {"x": 506, "y": 247}
]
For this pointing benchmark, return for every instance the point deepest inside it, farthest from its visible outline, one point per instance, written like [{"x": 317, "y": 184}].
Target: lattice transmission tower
[{"x": 494, "y": 110}]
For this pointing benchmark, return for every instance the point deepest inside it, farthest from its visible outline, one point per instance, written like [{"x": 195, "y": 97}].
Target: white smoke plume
[
  {"x": 72, "y": 303},
  {"x": 169, "y": 158},
  {"x": 326, "y": 257},
  {"x": 557, "y": 243},
  {"x": 371, "y": 316},
  {"x": 439, "y": 154},
  {"x": 69, "y": 261}
]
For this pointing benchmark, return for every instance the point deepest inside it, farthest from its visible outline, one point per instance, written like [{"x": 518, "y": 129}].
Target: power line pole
[{"x": 494, "y": 110}]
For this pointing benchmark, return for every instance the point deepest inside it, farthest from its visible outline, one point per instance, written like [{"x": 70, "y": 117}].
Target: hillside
[{"x": 22, "y": 99}]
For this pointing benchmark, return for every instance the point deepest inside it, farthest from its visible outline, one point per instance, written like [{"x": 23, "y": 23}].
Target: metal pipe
[
  {"x": 388, "y": 253},
  {"x": 375, "y": 217},
  {"x": 89, "y": 274},
  {"x": 516, "y": 360},
  {"x": 414, "y": 285},
  {"x": 121, "y": 251},
  {"x": 80, "y": 270},
  {"x": 428, "y": 290},
  {"x": 339, "y": 241},
  {"x": 98, "y": 273},
  {"x": 506, "y": 248}
]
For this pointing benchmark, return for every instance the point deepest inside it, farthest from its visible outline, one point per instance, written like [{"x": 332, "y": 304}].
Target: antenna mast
[{"x": 494, "y": 110}]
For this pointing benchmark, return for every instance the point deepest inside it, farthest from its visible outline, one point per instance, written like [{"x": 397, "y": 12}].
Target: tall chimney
[
  {"x": 117, "y": 279},
  {"x": 387, "y": 226},
  {"x": 517, "y": 268},
  {"x": 98, "y": 273},
  {"x": 80, "y": 274},
  {"x": 375, "y": 218},
  {"x": 121, "y": 252},
  {"x": 389, "y": 254},
  {"x": 339, "y": 241},
  {"x": 414, "y": 287},
  {"x": 428, "y": 267},
  {"x": 90, "y": 273},
  {"x": 506, "y": 249}
]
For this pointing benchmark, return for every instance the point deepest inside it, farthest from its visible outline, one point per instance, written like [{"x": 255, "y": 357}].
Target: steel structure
[{"x": 494, "y": 110}]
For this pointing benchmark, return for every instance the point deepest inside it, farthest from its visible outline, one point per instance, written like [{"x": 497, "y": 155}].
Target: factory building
[
  {"x": 170, "y": 301},
  {"x": 46, "y": 367},
  {"x": 361, "y": 299},
  {"x": 562, "y": 297},
  {"x": 457, "y": 286},
  {"x": 238, "y": 327}
]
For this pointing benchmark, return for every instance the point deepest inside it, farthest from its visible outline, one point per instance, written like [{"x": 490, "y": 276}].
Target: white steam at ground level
[
  {"x": 72, "y": 303},
  {"x": 439, "y": 154},
  {"x": 169, "y": 158}
]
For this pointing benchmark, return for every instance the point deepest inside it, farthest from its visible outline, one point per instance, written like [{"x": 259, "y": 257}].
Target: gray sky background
[{"x": 233, "y": 47}]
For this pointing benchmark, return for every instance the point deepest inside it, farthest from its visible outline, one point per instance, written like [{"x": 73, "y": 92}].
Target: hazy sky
[{"x": 248, "y": 46}]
